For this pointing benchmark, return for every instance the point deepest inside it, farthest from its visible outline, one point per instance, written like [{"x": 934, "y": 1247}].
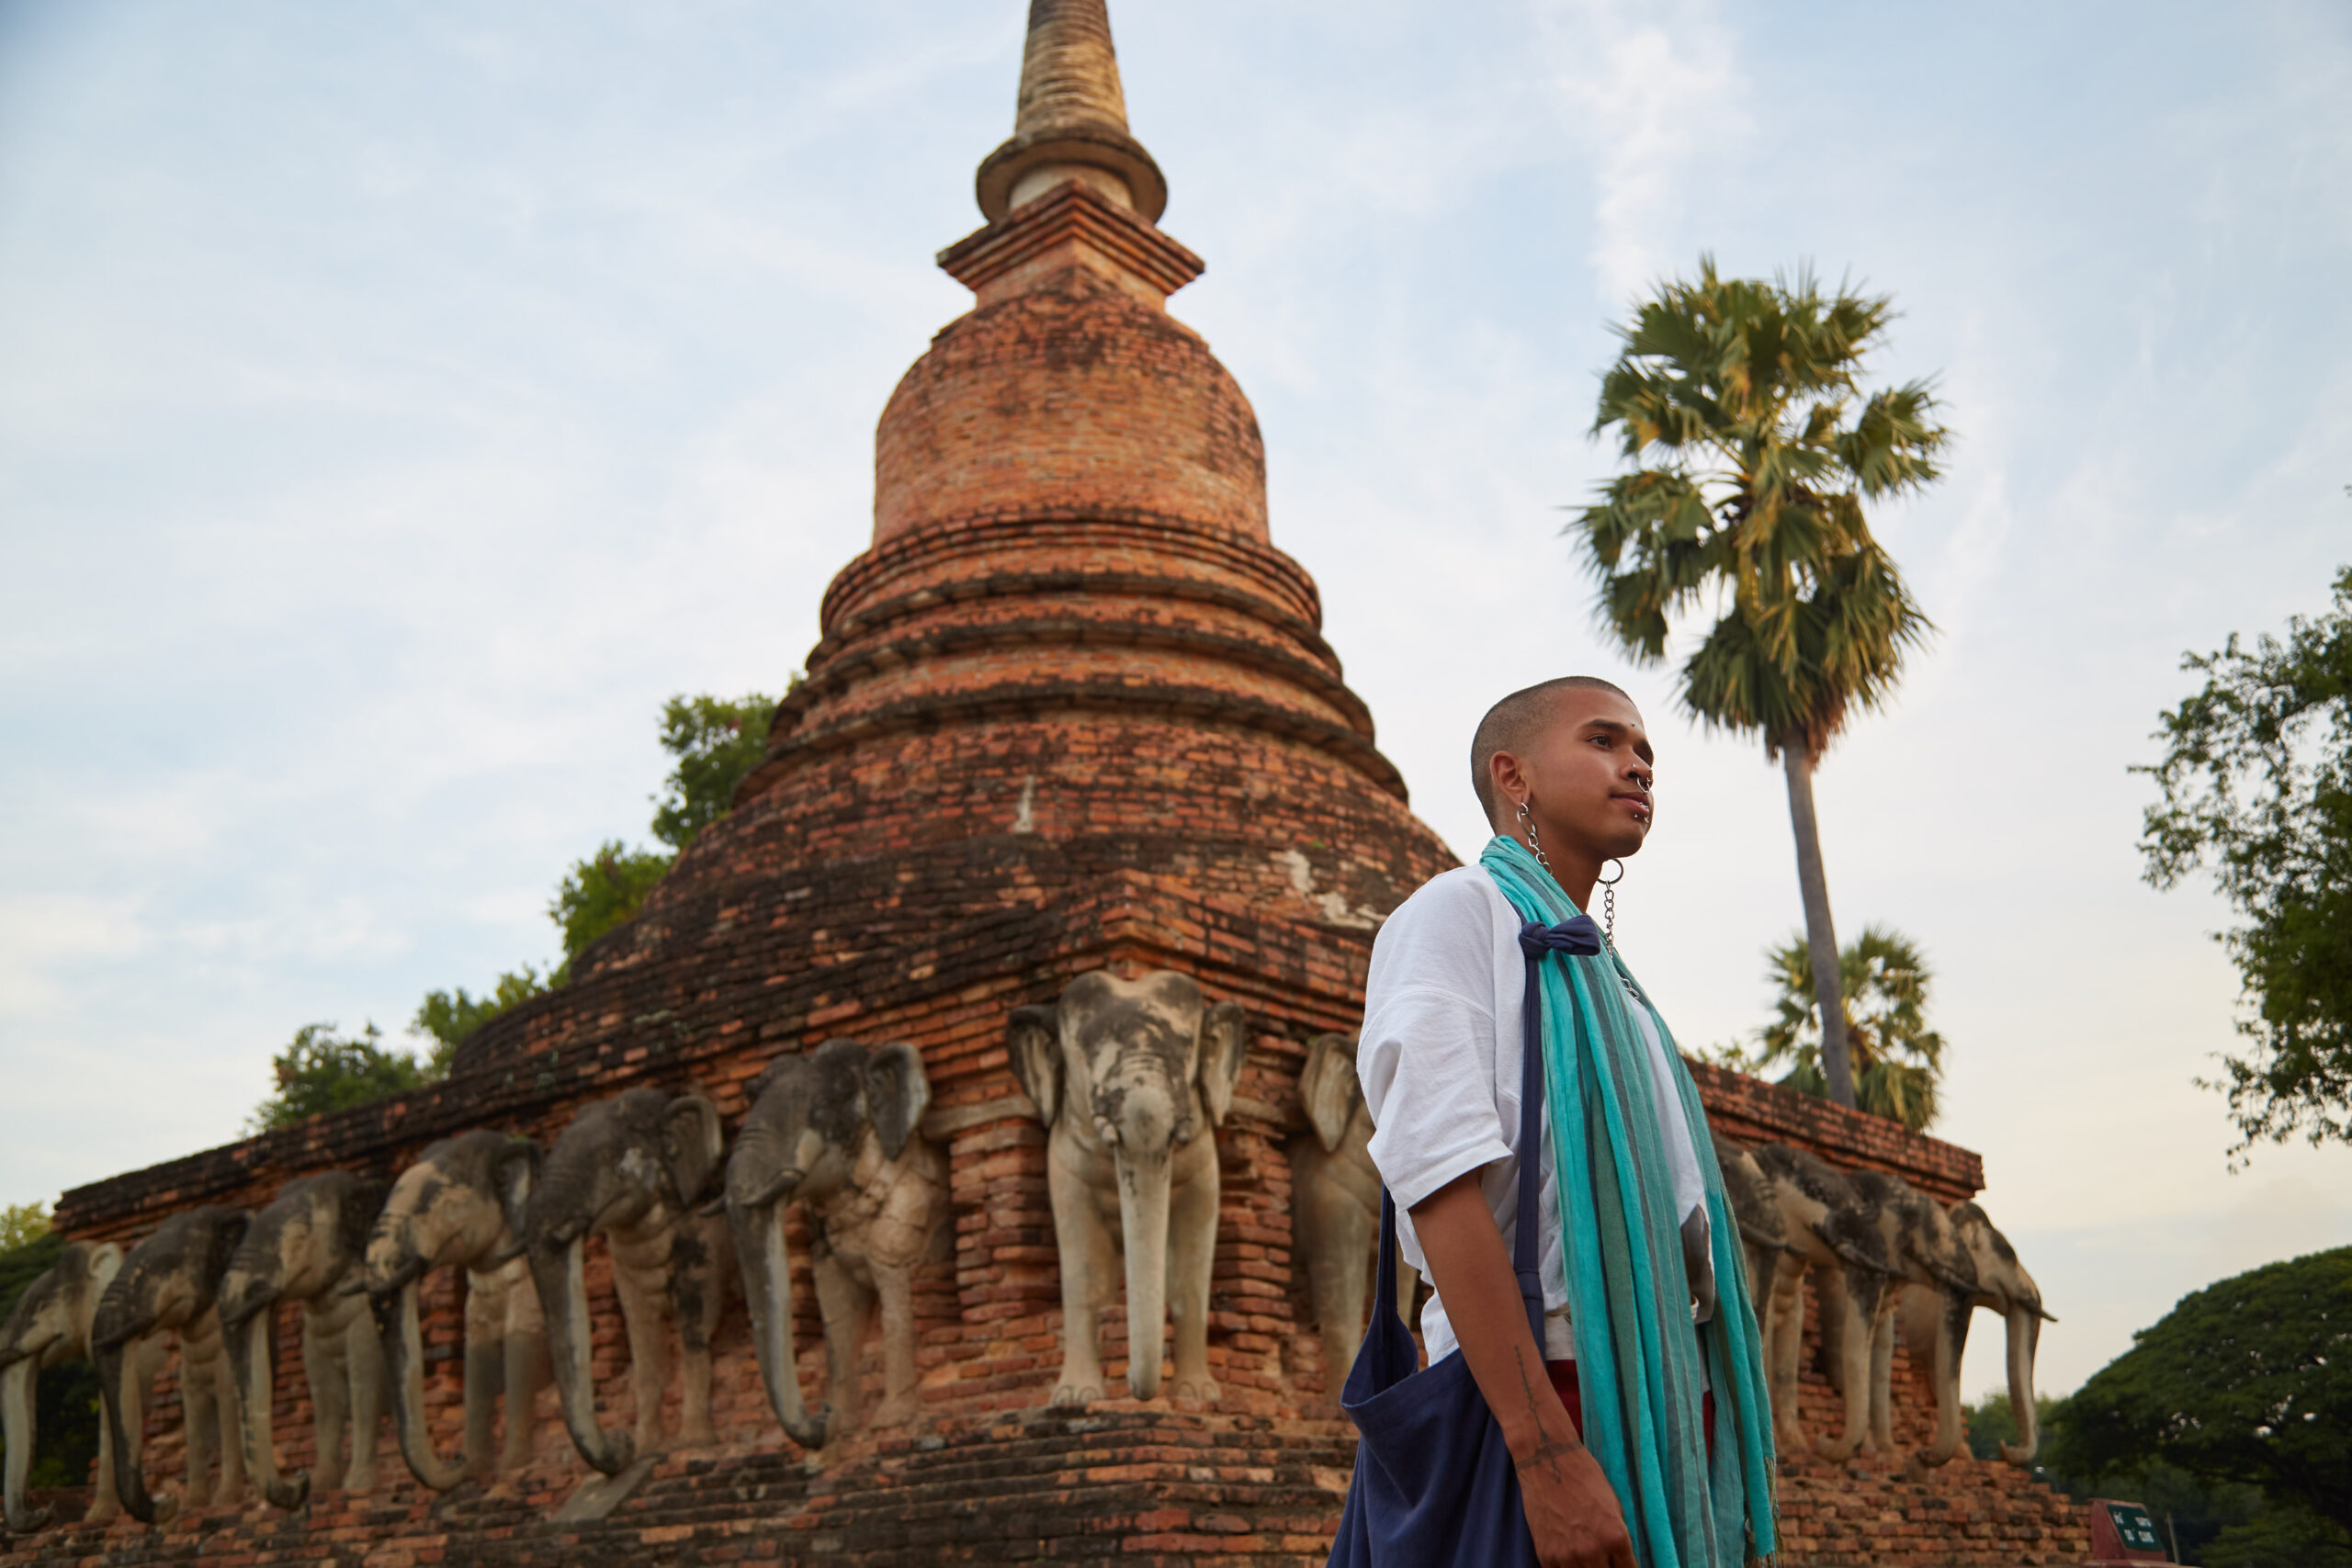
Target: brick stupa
[{"x": 1073, "y": 709}]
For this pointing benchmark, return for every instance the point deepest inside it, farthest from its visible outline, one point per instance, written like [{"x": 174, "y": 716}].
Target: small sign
[
  {"x": 2134, "y": 1530},
  {"x": 2125, "y": 1532}
]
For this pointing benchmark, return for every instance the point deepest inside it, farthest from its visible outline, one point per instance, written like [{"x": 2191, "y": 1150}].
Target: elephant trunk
[
  {"x": 129, "y": 1463},
  {"x": 767, "y": 1288},
  {"x": 252, "y": 1360},
  {"x": 2025, "y": 1338},
  {"x": 16, "y": 1381},
  {"x": 403, "y": 1341},
  {"x": 1142, "y": 1224},
  {"x": 1951, "y": 1342},
  {"x": 561, "y": 1273}
]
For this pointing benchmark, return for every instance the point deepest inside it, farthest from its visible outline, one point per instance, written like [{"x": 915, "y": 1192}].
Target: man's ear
[{"x": 1507, "y": 778}]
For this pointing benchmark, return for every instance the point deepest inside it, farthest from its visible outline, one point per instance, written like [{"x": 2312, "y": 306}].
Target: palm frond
[
  {"x": 1738, "y": 400},
  {"x": 1898, "y": 1060}
]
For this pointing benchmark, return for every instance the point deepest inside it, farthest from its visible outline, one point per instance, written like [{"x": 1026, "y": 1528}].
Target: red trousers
[{"x": 1564, "y": 1383}]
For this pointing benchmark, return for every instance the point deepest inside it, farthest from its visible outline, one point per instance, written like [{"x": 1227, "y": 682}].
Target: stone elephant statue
[
  {"x": 1935, "y": 1326},
  {"x": 1763, "y": 1230},
  {"x": 306, "y": 1246},
  {"x": 836, "y": 1130},
  {"x": 1828, "y": 1226},
  {"x": 1926, "y": 1256},
  {"x": 1130, "y": 1078},
  {"x": 633, "y": 1167},
  {"x": 1335, "y": 1200},
  {"x": 170, "y": 1282},
  {"x": 50, "y": 1325},
  {"x": 458, "y": 1207}
]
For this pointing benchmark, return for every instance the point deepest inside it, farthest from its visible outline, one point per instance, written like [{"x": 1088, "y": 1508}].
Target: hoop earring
[
  {"x": 1609, "y": 904},
  {"x": 1533, "y": 847}
]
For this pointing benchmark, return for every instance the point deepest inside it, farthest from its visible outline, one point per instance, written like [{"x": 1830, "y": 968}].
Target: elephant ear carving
[
  {"x": 513, "y": 1172},
  {"x": 1328, "y": 1088},
  {"x": 228, "y": 1229},
  {"x": 361, "y": 1200},
  {"x": 1224, "y": 1038},
  {"x": 896, "y": 1092},
  {"x": 1033, "y": 1039},
  {"x": 692, "y": 1144},
  {"x": 102, "y": 1262}
]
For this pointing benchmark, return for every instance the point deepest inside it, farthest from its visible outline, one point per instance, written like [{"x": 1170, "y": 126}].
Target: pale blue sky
[{"x": 398, "y": 402}]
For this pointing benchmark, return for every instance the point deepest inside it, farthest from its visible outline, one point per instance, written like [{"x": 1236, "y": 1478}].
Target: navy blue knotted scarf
[{"x": 1578, "y": 936}]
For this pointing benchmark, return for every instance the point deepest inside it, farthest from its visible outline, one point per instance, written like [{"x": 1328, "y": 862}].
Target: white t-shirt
[{"x": 1439, "y": 1060}]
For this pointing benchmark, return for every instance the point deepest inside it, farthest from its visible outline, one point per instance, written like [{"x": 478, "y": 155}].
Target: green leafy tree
[
  {"x": 602, "y": 892},
  {"x": 20, "y": 1225},
  {"x": 1754, "y": 450},
  {"x": 2256, "y": 776},
  {"x": 448, "y": 1017},
  {"x": 1882, "y": 985},
  {"x": 65, "y": 1399},
  {"x": 2247, "y": 1381},
  {"x": 716, "y": 741},
  {"x": 1992, "y": 1421},
  {"x": 321, "y": 1071},
  {"x": 2280, "y": 1538}
]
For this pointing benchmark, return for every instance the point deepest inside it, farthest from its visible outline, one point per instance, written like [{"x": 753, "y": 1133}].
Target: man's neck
[{"x": 1575, "y": 870}]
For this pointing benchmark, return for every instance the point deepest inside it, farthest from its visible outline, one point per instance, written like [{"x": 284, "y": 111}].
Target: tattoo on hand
[{"x": 1552, "y": 1450}]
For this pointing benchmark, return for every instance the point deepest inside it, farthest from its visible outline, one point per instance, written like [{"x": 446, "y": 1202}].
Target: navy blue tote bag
[{"x": 1434, "y": 1486}]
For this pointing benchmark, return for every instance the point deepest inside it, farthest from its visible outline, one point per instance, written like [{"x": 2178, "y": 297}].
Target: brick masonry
[{"x": 1073, "y": 709}]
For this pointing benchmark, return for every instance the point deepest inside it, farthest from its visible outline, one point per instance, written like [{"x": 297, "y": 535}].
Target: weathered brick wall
[{"x": 1751, "y": 1112}]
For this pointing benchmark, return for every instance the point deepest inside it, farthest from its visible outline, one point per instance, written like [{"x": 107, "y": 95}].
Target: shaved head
[{"x": 1512, "y": 724}]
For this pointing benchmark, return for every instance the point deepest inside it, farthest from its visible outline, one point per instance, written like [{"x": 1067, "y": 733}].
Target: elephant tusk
[
  {"x": 410, "y": 1270},
  {"x": 776, "y": 1187}
]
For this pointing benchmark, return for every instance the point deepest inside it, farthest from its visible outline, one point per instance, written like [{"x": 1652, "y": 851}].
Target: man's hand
[{"x": 1572, "y": 1513}]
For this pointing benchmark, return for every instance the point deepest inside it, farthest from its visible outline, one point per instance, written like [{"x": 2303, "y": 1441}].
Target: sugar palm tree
[
  {"x": 1754, "y": 451},
  {"x": 1898, "y": 1060}
]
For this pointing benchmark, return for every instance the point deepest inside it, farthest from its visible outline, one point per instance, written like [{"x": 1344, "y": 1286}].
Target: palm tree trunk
[{"x": 1820, "y": 936}]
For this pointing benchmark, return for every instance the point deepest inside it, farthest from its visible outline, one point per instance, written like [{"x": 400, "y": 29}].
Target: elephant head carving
[
  {"x": 1828, "y": 1225},
  {"x": 305, "y": 1246},
  {"x": 459, "y": 1206},
  {"x": 636, "y": 1168},
  {"x": 1763, "y": 1230},
  {"x": 1130, "y": 1077},
  {"x": 50, "y": 1324},
  {"x": 2004, "y": 1287},
  {"x": 835, "y": 1130},
  {"x": 171, "y": 1282},
  {"x": 1335, "y": 1199},
  {"x": 1930, "y": 1267}
]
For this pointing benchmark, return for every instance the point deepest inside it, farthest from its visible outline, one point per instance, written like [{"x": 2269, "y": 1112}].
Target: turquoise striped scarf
[{"x": 1637, "y": 1361}]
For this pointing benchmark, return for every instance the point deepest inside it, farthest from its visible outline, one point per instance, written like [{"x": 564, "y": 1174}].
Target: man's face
[{"x": 1588, "y": 775}]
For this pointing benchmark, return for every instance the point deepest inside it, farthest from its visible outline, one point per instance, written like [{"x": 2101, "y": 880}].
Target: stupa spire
[{"x": 1071, "y": 121}]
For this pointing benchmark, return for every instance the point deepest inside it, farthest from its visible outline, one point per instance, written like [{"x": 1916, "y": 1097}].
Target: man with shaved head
[{"x": 1481, "y": 969}]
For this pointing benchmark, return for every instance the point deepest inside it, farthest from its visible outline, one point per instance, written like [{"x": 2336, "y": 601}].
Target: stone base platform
[
  {"x": 1966, "y": 1514},
  {"x": 1143, "y": 1486}
]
